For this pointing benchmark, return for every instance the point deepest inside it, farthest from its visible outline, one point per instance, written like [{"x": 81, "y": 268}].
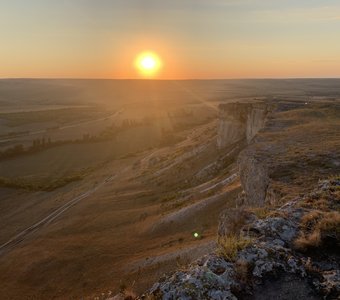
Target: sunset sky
[{"x": 193, "y": 38}]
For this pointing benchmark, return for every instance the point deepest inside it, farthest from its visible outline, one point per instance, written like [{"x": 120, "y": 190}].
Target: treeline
[
  {"x": 37, "y": 145},
  {"x": 14, "y": 134},
  {"x": 44, "y": 143},
  {"x": 59, "y": 116},
  {"x": 39, "y": 185}
]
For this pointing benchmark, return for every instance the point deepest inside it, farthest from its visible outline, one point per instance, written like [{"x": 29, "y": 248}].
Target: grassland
[{"x": 138, "y": 224}]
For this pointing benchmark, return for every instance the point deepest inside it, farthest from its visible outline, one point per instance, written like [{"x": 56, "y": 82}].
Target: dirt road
[{"x": 23, "y": 235}]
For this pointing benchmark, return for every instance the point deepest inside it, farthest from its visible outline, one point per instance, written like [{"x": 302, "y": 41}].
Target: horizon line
[{"x": 165, "y": 79}]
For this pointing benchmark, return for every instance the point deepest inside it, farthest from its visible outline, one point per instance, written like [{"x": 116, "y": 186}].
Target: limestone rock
[
  {"x": 254, "y": 177},
  {"x": 240, "y": 121},
  {"x": 268, "y": 268}
]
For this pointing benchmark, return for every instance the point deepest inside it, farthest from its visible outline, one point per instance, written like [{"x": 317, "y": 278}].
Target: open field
[{"x": 142, "y": 190}]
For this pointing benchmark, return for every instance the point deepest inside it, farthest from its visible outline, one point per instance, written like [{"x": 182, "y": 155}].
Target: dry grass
[
  {"x": 229, "y": 246},
  {"x": 302, "y": 153},
  {"x": 232, "y": 221},
  {"x": 304, "y": 241},
  {"x": 129, "y": 295},
  {"x": 311, "y": 219},
  {"x": 316, "y": 226},
  {"x": 126, "y": 293},
  {"x": 324, "y": 200},
  {"x": 268, "y": 212},
  {"x": 323, "y": 221},
  {"x": 261, "y": 212},
  {"x": 330, "y": 222},
  {"x": 320, "y": 204},
  {"x": 328, "y": 200}
]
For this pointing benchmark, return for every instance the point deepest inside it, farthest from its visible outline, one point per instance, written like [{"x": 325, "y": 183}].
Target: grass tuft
[
  {"x": 229, "y": 246},
  {"x": 316, "y": 227}
]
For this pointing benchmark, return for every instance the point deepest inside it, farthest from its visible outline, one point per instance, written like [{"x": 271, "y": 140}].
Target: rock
[
  {"x": 256, "y": 119},
  {"x": 254, "y": 178},
  {"x": 276, "y": 228},
  {"x": 238, "y": 121},
  {"x": 268, "y": 268},
  {"x": 284, "y": 287},
  {"x": 211, "y": 278},
  {"x": 330, "y": 284}
]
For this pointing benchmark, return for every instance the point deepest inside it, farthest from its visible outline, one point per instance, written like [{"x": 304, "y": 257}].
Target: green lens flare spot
[{"x": 196, "y": 235}]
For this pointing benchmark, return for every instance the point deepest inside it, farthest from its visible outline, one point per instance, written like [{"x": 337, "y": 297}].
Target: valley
[{"x": 133, "y": 182}]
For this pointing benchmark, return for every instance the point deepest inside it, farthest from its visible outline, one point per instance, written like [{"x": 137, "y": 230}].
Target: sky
[{"x": 194, "y": 38}]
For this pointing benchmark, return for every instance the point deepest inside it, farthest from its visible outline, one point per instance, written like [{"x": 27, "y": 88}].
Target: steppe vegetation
[
  {"x": 146, "y": 184},
  {"x": 321, "y": 226}
]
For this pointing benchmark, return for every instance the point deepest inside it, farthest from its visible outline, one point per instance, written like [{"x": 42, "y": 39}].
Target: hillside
[
  {"x": 117, "y": 209},
  {"x": 282, "y": 241}
]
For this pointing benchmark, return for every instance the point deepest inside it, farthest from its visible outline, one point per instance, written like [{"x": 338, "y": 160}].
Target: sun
[{"x": 148, "y": 64}]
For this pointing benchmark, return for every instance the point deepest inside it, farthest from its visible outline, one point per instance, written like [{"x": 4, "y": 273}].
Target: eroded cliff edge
[
  {"x": 299, "y": 145},
  {"x": 283, "y": 242},
  {"x": 240, "y": 121}
]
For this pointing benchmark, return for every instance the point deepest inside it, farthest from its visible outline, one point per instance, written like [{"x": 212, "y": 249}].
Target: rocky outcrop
[
  {"x": 269, "y": 266},
  {"x": 240, "y": 121},
  {"x": 256, "y": 119},
  {"x": 254, "y": 178},
  {"x": 291, "y": 252},
  {"x": 290, "y": 153}
]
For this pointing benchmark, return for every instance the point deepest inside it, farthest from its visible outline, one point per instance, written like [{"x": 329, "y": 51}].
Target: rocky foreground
[
  {"x": 288, "y": 253},
  {"x": 283, "y": 240}
]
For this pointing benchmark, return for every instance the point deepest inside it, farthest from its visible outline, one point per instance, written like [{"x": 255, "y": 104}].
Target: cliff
[
  {"x": 240, "y": 121},
  {"x": 283, "y": 240},
  {"x": 299, "y": 144}
]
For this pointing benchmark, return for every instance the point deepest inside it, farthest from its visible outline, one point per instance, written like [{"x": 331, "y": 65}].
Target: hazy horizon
[
  {"x": 194, "y": 39},
  {"x": 169, "y": 79}
]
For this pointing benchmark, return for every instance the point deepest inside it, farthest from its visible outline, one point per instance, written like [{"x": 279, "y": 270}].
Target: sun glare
[{"x": 148, "y": 64}]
